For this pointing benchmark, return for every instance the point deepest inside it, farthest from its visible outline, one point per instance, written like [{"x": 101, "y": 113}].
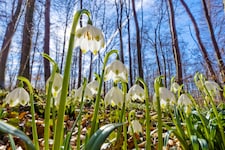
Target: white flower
[
  {"x": 136, "y": 92},
  {"x": 17, "y": 96},
  {"x": 116, "y": 71},
  {"x": 56, "y": 85},
  {"x": 163, "y": 103},
  {"x": 175, "y": 87},
  {"x": 114, "y": 97},
  {"x": 166, "y": 98},
  {"x": 89, "y": 38},
  {"x": 87, "y": 94},
  {"x": 167, "y": 95},
  {"x": 93, "y": 86},
  {"x": 137, "y": 128},
  {"x": 213, "y": 87},
  {"x": 184, "y": 100}
]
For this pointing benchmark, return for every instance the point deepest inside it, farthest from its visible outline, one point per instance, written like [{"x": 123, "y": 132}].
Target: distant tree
[
  {"x": 213, "y": 39},
  {"x": 80, "y": 53},
  {"x": 127, "y": 10},
  {"x": 138, "y": 42},
  {"x": 47, "y": 38},
  {"x": 26, "y": 40},
  {"x": 200, "y": 43},
  {"x": 175, "y": 43},
  {"x": 119, "y": 19},
  {"x": 10, "y": 30}
]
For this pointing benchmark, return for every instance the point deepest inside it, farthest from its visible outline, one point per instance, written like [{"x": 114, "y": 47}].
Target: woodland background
[{"x": 155, "y": 37}]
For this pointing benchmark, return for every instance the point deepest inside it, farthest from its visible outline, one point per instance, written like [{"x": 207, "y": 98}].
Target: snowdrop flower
[
  {"x": 114, "y": 97},
  {"x": 56, "y": 85},
  {"x": 93, "y": 86},
  {"x": 137, "y": 128},
  {"x": 89, "y": 38},
  {"x": 87, "y": 94},
  {"x": 184, "y": 100},
  {"x": 175, "y": 87},
  {"x": 17, "y": 96},
  {"x": 116, "y": 71},
  {"x": 166, "y": 98},
  {"x": 136, "y": 92},
  {"x": 213, "y": 87}
]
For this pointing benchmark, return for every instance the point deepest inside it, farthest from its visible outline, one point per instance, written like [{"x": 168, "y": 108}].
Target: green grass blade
[
  {"x": 98, "y": 138},
  {"x": 12, "y": 143},
  {"x": 6, "y": 128},
  {"x": 194, "y": 141}
]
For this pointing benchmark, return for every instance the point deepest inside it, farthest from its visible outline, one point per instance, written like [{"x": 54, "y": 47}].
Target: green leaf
[
  {"x": 194, "y": 141},
  {"x": 7, "y": 128},
  {"x": 12, "y": 143},
  {"x": 98, "y": 138}
]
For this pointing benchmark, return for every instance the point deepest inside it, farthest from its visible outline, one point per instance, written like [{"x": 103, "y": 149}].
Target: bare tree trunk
[
  {"x": 26, "y": 42},
  {"x": 10, "y": 30},
  {"x": 175, "y": 45},
  {"x": 129, "y": 42},
  {"x": 119, "y": 11},
  {"x": 47, "y": 39},
  {"x": 80, "y": 54},
  {"x": 214, "y": 42},
  {"x": 200, "y": 43},
  {"x": 138, "y": 42}
]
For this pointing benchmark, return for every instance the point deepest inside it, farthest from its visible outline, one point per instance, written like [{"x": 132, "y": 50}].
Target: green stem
[
  {"x": 62, "y": 105},
  {"x": 123, "y": 117},
  {"x": 98, "y": 96},
  {"x": 159, "y": 112},
  {"x": 34, "y": 127},
  {"x": 48, "y": 102},
  {"x": 147, "y": 114}
]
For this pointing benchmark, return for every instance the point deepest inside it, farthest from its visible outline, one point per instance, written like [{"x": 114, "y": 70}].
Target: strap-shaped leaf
[
  {"x": 7, "y": 128},
  {"x": 98, "y": 138}
]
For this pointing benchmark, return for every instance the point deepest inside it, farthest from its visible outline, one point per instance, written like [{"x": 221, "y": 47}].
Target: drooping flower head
[
  {"x": 213, "y": 87},
  {"x": 184, "y": 100},
  {"x": 17, "y": 96},
  {"x": 114, "y": 97},
  {"x": 56, "y": 85},
  {"x": 136, "y": 92},
  {"x": 137, "y": 128},
  {"x": 87, "y": 94},
  {"x": 89, "y": 38},
  {"x": 93, "y": 86},
  {"x": 116, "y": 71},
  {"x": 166, "y": 98}
]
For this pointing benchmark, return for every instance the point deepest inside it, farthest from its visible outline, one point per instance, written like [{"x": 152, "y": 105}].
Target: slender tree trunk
[
  {"x": 80, "y": 54},
  {"x": 214, "y": 42},
  {"x": 175, "y": 45},
  {"x": 27, "y": 40},
  {"x": 200, "y": 43},
  {"x": 138, "y": 42},
  {"x": 156, "y": 53},
  {"x": 10, "y": 30},
  {"x": 119, "y": 11},
  {"x": 47, "y": 38},
  {"x": 129, "y": 42}
]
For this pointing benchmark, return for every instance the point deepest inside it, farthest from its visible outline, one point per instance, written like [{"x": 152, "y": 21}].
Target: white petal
[{"x": 184, "y": 100}]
